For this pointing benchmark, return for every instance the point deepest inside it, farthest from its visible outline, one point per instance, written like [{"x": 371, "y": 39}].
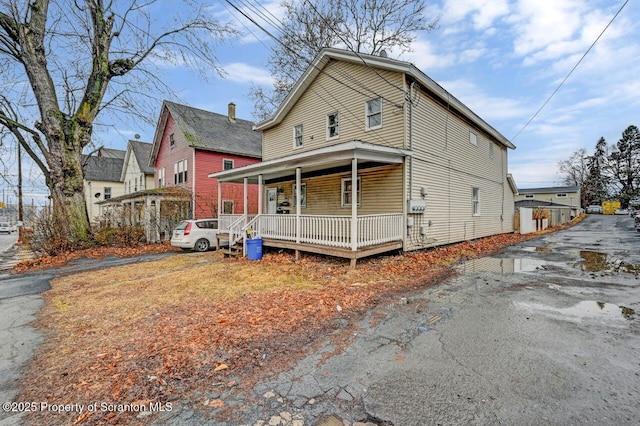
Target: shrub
[{"x": 120, "y": 236}]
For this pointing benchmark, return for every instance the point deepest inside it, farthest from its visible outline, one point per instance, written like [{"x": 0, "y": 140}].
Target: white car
[
  {"x": 594, "y": 209},
  {"x": 195, "y": 234},
  {"x": 6, "y": 228}
]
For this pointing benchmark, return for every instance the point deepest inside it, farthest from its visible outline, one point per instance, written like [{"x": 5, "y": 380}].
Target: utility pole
[{"x": 20, "y": 209}]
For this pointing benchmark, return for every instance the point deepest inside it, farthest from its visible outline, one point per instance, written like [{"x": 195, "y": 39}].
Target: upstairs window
[
  {"x": 332, "y": 125},
  {"x": 561, "y": 195},
  {"x": 180, "y": 172},
  {"x": 529, "y": 196},
  {"x": 373, "y": 117},
  {"x": 227, "y": 164},
  {"x": 473, "y": 138},
  {"x": 172, "y": 140},
  {"x": 107, "y": 192},
  {"x": 297, "y": 136},
  {"x": 491, "y": 150}
]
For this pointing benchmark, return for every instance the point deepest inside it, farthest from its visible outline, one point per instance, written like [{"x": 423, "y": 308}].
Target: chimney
[{"x": 232, "y": 112}]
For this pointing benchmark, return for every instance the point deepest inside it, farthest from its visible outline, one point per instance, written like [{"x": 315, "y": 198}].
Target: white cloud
[
  {"x": 538, "y": 24},
  {"x": 483, "y": 12},
  {"x": 487, "y": 106},
  {"x": 242, "y": 73},
  {"x": 426, "y": 58}
]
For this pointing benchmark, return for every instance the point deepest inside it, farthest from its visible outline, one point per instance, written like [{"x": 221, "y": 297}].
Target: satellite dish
[
  {"x": 383, "y": 53},
  {"x": 97, "y": 195}
]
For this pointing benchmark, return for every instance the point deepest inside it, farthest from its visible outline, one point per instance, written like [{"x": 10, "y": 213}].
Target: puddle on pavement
[
  {"x": 588, "y": 309},
  {"x": 537, "y": 249},
  {"x": 593, "y": 261},
  {"x": 505, "y": 265}
]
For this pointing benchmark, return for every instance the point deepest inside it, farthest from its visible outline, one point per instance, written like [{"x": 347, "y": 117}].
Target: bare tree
[
  {"x": 79, "y": 58},
  {"x": 575, "y": 168},
  {"x": 362, "y": 26}
]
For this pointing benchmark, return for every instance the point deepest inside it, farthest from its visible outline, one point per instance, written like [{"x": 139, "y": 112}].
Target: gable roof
[
  {"x": 111, "y": 153},
  {"x": 141, "y": 152},
  {"x": 326, "y": 55},
  {"x": 208, "y": 131},
  {"x": 102, "y": 168},
  {"x": 549, "y": 190}
]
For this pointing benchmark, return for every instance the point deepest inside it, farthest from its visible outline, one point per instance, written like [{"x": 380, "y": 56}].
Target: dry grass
[{"x": 156, "y": 331}]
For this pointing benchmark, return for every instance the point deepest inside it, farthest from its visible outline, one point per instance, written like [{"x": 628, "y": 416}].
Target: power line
[
  {"x": 571, "y": 72},
  {"x": 291, "y": 50}
]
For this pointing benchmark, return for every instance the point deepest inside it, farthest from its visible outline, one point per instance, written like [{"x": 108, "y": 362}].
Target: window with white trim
[
  {"x": 303, "y": 195},
  {"x": 491, "y": 150},
  {"x": 529, "y": 196},
  {"x": 227, "y": 206},
  {"x": 161, "y": 181},
  {"x": 107, "y": 192},
  {"x": 473, "y": 138},
  {"x": 227, "y": 164},
  {"x": 347, "y": 192},
  {"x": 180, "y": 172},
  {"x": 373, "y": 114},
  {"x": 297, "y": 136},
  {"x": 332, "y": 125},
  {"x": 561, "y": 195},
  {"x": 475, "y": 197}
]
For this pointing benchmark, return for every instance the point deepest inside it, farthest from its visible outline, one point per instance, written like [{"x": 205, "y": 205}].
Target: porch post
[
  {"x": 246, "y": 198},
  {"x": 147, "y": 218},
  {"x": 354, "y": 210},
  {"x": 260, "y": 190},
  {"x": 219, "y": 198},
  {"x": 298, "y": 205}
]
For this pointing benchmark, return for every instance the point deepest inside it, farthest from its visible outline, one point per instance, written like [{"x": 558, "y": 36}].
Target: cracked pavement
[{"x": 545, "y": 332}]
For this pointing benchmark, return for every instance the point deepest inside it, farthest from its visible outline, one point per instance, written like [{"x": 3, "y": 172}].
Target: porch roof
[{"x": 330, "y": 157}]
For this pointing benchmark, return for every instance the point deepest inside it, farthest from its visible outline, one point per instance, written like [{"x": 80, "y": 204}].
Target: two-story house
[
  {"x": 191, "y": 143},
  {"x": 368, "y": 154},
  {"x": 563, "y": 202},
  {"x": 137, "y": 175},
  {"x": 102, "y": 179}
]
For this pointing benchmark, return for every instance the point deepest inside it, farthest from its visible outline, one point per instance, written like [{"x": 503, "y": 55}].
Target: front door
[{"x": 272, "y": 200}]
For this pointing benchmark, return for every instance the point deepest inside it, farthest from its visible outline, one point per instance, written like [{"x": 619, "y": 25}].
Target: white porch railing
[
  {"x": 225, "y": 220},
  {"x": 332, "y": 231}
]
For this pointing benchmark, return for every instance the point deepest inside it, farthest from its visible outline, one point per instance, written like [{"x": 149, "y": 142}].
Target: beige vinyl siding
[
  {"x": 381, "y": 192},
  {"x": 326, "y": 96},
  {"x": 449, "y": 166},
  {"x": 572, "y": 198}
]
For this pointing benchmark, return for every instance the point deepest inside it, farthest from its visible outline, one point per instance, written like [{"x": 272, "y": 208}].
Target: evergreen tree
[
  {"x": 623, "y": 165},
  {"x": 594, "y": 189}
]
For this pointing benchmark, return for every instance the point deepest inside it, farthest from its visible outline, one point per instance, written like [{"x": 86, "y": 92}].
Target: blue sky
[{"x": 502, "y": 58}]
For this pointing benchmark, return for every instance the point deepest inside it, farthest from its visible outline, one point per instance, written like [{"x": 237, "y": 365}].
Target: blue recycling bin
[{"x": 254, "y": 249}]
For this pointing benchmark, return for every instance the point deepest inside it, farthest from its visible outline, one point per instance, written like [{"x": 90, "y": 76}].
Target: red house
[{"x": 191, "y": 143}]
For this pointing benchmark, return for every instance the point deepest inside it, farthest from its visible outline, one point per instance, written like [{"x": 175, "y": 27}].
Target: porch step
[{"x": 235, "y": 250}]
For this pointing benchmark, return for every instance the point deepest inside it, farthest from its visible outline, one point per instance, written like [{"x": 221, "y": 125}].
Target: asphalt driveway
[{"x": 546, "y": 332}]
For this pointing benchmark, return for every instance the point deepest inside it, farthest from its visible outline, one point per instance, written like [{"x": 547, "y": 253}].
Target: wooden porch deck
[
  {"x": 341, "y": 252},
  {"x": 344, "y": 253}
]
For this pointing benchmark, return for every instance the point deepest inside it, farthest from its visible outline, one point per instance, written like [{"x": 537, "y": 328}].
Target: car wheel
[{"x": 201, "y": 245}]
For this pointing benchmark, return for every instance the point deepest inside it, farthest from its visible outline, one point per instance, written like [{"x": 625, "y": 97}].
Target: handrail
[
  {"x": 245, "y": 228},
  {"x": 235, "y": 231}
]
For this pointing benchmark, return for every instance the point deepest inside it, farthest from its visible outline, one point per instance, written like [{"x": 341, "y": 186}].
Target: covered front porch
[{"x": 353, "y": 220}]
